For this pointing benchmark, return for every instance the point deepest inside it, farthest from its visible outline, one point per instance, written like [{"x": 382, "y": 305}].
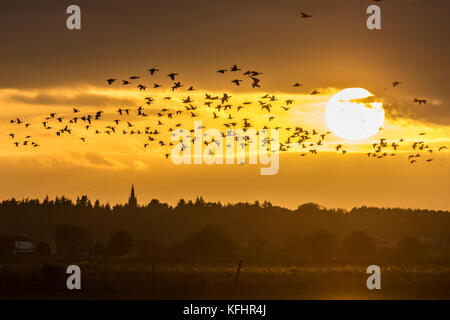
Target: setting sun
[
  {"x": 223, "y": 159},
  {"x": 353, "y": 114}
]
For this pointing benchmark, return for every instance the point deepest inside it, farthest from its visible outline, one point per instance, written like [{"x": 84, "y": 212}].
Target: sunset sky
[{"x": 46, "y": 68}]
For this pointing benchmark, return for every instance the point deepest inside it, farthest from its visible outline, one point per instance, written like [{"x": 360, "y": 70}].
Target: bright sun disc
[{"x": 353, "y": 114}]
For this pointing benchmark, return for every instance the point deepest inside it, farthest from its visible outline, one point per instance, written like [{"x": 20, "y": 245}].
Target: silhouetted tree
[
  {"x": 410, "y": 249},
  {"x": 267, "y": 204},
  {"x": 309, "y": 207},
  {"x": 320, "y": 245},
  {"x": 97, "y": 205},
  {"x": 71, "y": 239},
  {"x": 181, "y": 203},
  {"x": 42, "y": 249},
  {"x": 199, "y": 201},
  {"x": 120, "y": 243},
  {"x": 84, "y": 202},
  {"x": 261, "y": 250},
  {"x": 99, "y": 249},
  {"x": 6, "y": 245},
  {"x": 358, "y": 245},
  {"x": 158, "y": 221},
  {"x": 149, "y": 249},
  {"x": 294, "y": 247},
  {"x": 208, "y": 243}
]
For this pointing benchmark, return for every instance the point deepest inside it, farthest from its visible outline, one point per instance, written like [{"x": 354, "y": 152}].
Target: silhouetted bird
[
  {"x": 152, "y": 70},
  {"x": 420, "y": 101},
  {"x": 172, "y": 76},
  {"x": 305, "y": 15},
  {"x": 255, "y": 83}
]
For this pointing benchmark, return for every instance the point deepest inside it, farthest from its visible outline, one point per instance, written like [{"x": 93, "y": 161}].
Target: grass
[{"x": 137, "y": 280}]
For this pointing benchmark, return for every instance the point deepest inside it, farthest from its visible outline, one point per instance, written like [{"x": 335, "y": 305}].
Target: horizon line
[{"x": 223, "y": 204}]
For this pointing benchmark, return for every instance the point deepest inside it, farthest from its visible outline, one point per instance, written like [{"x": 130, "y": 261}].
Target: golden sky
[{"x": 46, "y": 68}]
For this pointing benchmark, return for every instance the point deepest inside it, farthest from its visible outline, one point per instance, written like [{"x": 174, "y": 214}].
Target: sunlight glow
[{"x": 353, "y": 114}]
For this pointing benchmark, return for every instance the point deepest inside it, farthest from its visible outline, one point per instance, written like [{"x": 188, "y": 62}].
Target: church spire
[{"x": 132, "y": 201}]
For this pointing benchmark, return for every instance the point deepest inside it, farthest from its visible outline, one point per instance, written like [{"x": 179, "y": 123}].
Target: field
[{"x": 144, "y": 280}]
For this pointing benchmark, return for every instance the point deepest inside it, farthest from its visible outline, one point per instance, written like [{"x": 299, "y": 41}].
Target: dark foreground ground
[{"x": 146, "y": 280}]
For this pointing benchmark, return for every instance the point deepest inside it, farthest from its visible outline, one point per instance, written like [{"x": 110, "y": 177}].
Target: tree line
[{"x": 212, "y": 230}]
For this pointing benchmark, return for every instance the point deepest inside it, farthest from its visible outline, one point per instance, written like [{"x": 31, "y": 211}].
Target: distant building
[
  {"x": 22, "y": 244},
  {"x": 132, "y": 201}
]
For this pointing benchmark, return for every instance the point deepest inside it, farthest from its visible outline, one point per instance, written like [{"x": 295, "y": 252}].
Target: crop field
[{"x": 146, "y": 280}]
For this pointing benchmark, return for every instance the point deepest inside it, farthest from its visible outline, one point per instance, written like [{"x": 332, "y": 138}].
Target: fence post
[{"x": 236, "y": 277}]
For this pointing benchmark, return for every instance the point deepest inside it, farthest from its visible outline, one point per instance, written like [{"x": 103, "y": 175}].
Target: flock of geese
[
  {"x": 219, "y": 108},
  {"x": 215, "y": 107}
]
